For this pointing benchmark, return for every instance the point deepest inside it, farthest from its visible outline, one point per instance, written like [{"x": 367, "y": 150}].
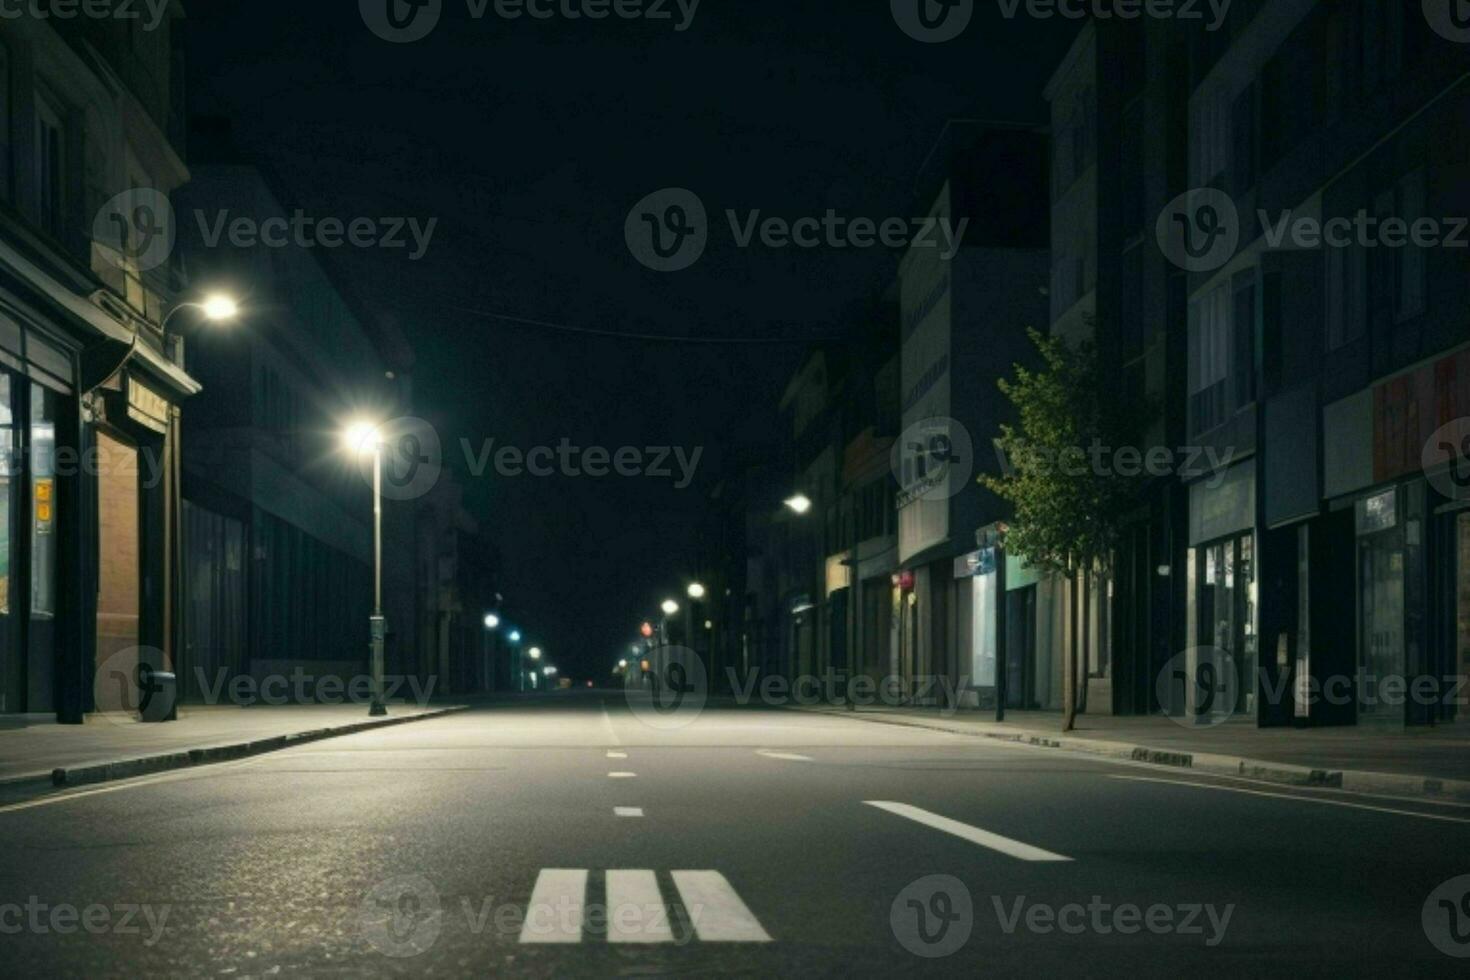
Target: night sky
[{"x": 529, "y": 141}]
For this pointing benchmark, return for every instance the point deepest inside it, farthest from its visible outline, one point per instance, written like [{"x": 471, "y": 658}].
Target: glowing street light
[
  {"x": 534, "y": 653},
  {"x": 549, "y": 671},
  {"x": 670, "y": 607},
  {"x": 696, "y": 590},
  {"x": 799, "y": 503},
  {"x": 623, "y": 664},
  {"x": 492, "y": 621},
  {"x": 514, "y": 636}
]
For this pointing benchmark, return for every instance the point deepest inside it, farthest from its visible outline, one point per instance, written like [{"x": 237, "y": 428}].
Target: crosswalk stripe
[
  {"x": 717, "y": 913},
  {"x": 974, "y": 835},
  {"x": 636, "y": 912},
  {"x": 556, "y": 909}
]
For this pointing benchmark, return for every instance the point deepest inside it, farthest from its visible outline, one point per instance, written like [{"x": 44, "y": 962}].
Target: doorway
[
  {"x": 1225, "y": 603},
  {"x": 119, "y": 572}
]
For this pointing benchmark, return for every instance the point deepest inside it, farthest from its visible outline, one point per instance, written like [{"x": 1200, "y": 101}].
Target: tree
[{"x": 1059, "y": 475}]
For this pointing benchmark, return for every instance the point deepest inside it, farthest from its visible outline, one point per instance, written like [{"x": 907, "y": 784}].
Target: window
[
  {"x": 50, "y": 167},
  {"x": 1411, "y": 263},
  {"x": 43, "y": 502},
  {"x": 1347, "y": 295},
  {"x": 1209, "y": 358}
]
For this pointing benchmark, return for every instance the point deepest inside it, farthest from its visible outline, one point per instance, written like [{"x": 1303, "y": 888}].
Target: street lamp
[
  {"x": 670, "y": 607},
  {"x": 534, "y": 653},
  {"x": 364, "y": 437},
  {"x": 696, "y": 590},
  {"x": 798, "y": 504},
  {"x": 514, "y": 636},
  {"x": 492, "y": 621},
  {"x": 623, "y": 664}
]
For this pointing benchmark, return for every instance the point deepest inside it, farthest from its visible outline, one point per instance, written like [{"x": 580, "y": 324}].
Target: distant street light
[
  {"x": 696, "y": 590},
  {"x": 799, "y": 504},
  {"x": 515, "y": 636},
  {"x": 623, "y": 664},
  {"x": 534, "y": 653},
  {"x": 549, "y": 671},
  {"x": 364, "y": 437},
  {"x": 670, "y": 607},
  {"x": 492, "y": 621}
]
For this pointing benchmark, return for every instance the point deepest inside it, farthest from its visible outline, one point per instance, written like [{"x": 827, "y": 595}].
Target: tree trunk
[{"x": 1069, "y": 661}]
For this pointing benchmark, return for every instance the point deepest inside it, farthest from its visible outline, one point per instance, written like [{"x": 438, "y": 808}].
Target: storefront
[{"x": 1221, "y": 613}]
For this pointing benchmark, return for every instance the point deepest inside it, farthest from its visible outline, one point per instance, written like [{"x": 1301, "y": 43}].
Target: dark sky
[{"x": 530, "y": 141}]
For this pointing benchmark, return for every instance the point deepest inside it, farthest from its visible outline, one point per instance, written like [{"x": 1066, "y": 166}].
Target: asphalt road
[{"x": 574, "y": 835}]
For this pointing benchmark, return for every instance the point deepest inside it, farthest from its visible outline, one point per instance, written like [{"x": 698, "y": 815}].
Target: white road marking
[
  {"x": 622, "y": 775},
  {"x": 555, "y": 912},
  {"x": 636, "y": 912},
  {"x": 716, "y": 912},
  {"x": 974, "y": 835},
  {"x": 788, "y": 756},
  {"x": 627, "y": 811},
  {"x": 612, "y": 732},
  {"x": 1289, "y": 796},
  {"x": 617, "y": 755}
]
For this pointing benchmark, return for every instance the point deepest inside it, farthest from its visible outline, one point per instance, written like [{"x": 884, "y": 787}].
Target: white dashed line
[
  {"x": 788, "y": 756},
  {"x": 622, "y": 775},
  {"x": 617, "y": 755},
  {"x": 627, "y": 811}
]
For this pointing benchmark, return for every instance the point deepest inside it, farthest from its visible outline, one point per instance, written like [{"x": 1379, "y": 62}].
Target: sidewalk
[
  {"x": 1430, "y": 762},
  {"x": 117, "y": 746}
]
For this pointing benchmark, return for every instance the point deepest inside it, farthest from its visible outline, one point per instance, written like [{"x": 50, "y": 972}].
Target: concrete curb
[
  {"x": 1345, "y": 780},
  {"x": 163, "y": 762}
]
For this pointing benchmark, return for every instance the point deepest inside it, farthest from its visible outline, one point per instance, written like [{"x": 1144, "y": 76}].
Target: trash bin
[{"x": 158, "y": 694}]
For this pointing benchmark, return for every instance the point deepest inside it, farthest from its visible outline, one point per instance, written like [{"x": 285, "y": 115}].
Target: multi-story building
[
  {"x": 964, "y": 318},
  {"x": 279, "y": 533},
  {"x": 90, "y": 130}
]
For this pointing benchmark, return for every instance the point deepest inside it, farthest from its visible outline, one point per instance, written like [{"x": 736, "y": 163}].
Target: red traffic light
[{"x": 646, "y": 629}]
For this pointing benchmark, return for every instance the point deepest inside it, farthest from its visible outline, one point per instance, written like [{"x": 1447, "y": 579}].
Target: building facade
[{"x": 90, "y": 392}]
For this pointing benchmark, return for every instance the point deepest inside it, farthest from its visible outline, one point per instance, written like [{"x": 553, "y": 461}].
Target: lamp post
[
  {"x": 800, "y": 504},
  {"x": 492, "y": 623},
  {"x": 363, "y": 437},
  {"x": 696, "y": 592}
]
